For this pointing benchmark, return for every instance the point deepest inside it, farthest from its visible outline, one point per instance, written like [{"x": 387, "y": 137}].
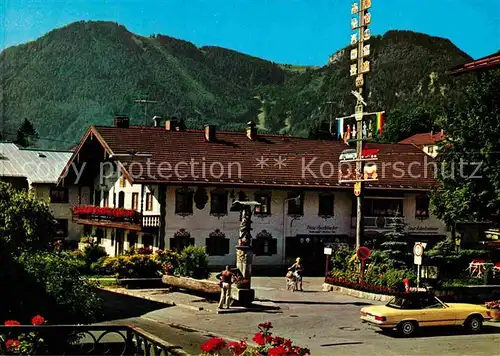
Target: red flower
[
  {"x": 266, "y": 326},
  {"x": 213, "y": 344},
  {"x": 259, "y": 339},
  {"x": 12, "y": 344},
  {"x": 38, "y": 320},
  {"x": 12, "y": 323},
  {"x": 277, "y": 351},
  {"x": 238, "y": 348}
]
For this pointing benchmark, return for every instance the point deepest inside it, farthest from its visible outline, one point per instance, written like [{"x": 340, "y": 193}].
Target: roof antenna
[{"x": 146, "y": 102}]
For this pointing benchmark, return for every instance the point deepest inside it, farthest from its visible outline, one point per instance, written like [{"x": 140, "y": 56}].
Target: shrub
[
  {"x": 193, "y": 262},
  {"x": 134, "y": 266},
  {"x": 58, "y": 275},
  {"x": 169, "y": 260}
]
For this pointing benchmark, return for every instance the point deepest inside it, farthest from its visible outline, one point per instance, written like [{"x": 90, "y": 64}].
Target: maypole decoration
[{"x": 359, "y": 131}]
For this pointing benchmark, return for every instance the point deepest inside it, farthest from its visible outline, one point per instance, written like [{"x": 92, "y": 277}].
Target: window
[
  {"x": 181, "y": 240},
  {"x": 121, "y": 199},
  {"x": 217, "y": 244},
  {"x": 183, "y": 202},
  {"x": 218, "y": 202},
  {"x": 62, "y": 228},
  {"x": 149, "y": 202},
  {"x": 430, "y": 149},
  {"x": 326, "y": 205},
  {"x": 99, "y": 234},
  {"x": 265, "y": 203},
  {"x": 58, "y": 195},
  {"x": 264, "y": 244},
  {"x": 114, "y": 200},
  {"x": 132, "y": 239},
  {"x": 106, "y": 199},
  {"x": 97, "y": 198},
  {"x": 123, "y": 182},
  {"x": 135, "y": 201},
  {"x": 381, "y": 207},
  {"x": 422, "y": 207},
  {"x": 87, "y": 230},
  {"x": 295, "y": 206}
]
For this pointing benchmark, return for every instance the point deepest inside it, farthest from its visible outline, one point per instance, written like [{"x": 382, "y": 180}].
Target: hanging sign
[
  {"x": 367, "y": 18},
  {"x": 354, "y": 69},
  {"x": 357, "y": 189},
  {"x": 366, "y": 50},
  {"x": 370, "y": 171},
  {"x": 360, "y": 81},
  {"x": 354, "y": 8},
  {"x": 366, "y": 4},
  {"x": 354, "y": 54},
  {"x": 365, "y": 67},
  {"x": 367, "y": 35},
  {"x": 354, "y": 39},
  {"x": 354, "y": 23}
]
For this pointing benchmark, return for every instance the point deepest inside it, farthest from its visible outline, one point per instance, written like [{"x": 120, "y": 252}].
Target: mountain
[{"x": 87, "y": 72}]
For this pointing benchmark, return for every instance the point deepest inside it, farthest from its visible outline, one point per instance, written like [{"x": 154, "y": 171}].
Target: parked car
[{"x": 408, "y": 312}]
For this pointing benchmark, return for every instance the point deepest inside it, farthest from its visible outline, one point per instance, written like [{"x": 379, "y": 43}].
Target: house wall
[
  {"x": 61, "y": 210},
  {"x": 431, "y": 150}
]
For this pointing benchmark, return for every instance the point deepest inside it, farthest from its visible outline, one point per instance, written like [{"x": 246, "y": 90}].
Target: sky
[{"x": 298, "y": 32}]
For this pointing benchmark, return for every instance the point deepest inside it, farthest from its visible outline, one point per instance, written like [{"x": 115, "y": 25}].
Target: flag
[
  {"x": 380, "y": 122},
  {"x": 340, "y": 128}
]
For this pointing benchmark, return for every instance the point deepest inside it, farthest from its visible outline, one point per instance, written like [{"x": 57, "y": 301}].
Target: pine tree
[
  {"x": 26, "y": 134},
  {"x": 395, "y": 244}
]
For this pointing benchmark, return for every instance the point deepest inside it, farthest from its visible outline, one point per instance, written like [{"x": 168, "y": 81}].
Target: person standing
[
  {"x": 298, "y": 271},
  {"x": 226, "y": 280}
]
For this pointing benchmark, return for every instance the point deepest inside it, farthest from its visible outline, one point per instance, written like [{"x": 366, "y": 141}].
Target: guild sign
[
  {"x": 366, "y": 4},
  {"x": 360, "y": 81},
  {"x": 354, "y": 54},
  {"x": 354, "y": 8},
  {"x": 354, "y": 69},
  {"x": 365, "y": 68},
  {"x": 357, "y": 189},
  {"x": 370, "y": 171},
  {"x": 367, "y": 18},
  {"x": 354, "y": 23},
  {"x": 366, "y": 50},
  {"x": 367, "y": 35},
  {"x": 354, "y": 39}
]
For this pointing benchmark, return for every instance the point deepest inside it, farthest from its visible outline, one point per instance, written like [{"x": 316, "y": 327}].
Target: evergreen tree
[
  {"x": 26, "y": 134},
  {"x": 395, "y": 244}
]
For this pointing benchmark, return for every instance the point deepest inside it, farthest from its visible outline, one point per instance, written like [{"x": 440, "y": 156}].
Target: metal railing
[
  {"x": 377, "y": 222},
  {"x": 86, "y": 340}
]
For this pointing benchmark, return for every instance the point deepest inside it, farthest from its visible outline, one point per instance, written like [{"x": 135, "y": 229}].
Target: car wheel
[
  {"x": 474, "y": 323},
  {"x": 407, "y": 328}
]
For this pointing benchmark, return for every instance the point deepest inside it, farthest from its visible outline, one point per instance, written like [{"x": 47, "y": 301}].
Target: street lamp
[{"x": 297, "y": 201}]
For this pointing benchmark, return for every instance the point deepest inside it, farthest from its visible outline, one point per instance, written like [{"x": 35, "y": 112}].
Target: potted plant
[{"x": 494, "y": 307}]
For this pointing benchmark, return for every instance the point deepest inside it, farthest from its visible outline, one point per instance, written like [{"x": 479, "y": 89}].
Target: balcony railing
[
  {"x": 114, "y": 217},
  {"x": 151, "y": 220},
  {"x": 88, "y": 340},
  {"x": 377, "y": 222}
]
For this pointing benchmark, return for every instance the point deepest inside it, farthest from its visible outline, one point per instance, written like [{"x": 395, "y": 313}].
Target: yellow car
[{"x": 408, "y": 312}]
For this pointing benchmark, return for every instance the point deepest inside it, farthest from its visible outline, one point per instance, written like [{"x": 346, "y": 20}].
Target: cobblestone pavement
[{"x": 326, "y": 322}]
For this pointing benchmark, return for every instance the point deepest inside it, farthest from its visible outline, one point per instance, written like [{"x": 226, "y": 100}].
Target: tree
[
  {"x": 26, "y": 222},
  {"x": 469, "y": 174},
  {"x": 26, "y": 134},
  {"x": 395, "y": 245}
]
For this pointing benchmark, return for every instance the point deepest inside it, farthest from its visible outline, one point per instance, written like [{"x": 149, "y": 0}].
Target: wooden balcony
[{"x": 114, "y": 218}]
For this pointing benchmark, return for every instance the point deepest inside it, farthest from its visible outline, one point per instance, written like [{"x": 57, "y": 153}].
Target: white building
[
  {"x": 427, "y": 142},
  {"x": 185, "y": 195},
  {"x": 38, "y": 171}
]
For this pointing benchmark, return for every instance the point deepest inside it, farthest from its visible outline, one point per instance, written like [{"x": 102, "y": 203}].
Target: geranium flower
[
  {"x": 12, "y": 344},
  {"x": 214, "y": 344},
  {"x": 259, "y": 339},
  {"x": 238, "y": 348},
  {"x": 277, "y": 351},
  {"x": 38, "y": 320},
  {"x": 12, "y": 323},
  {"x": 266, "y": 326}
]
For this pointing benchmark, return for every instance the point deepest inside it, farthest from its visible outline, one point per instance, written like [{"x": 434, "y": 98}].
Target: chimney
[
  {"x": 122, "y": 121},
  {"x": 157, "y": 121},
  {"x": 251, "y": 131},
  {"x": 210, "y": 133},
  {"x": 172, "y": 124}
]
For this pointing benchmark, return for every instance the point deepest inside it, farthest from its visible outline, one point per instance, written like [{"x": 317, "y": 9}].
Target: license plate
[{"x": 370, "y": 317}]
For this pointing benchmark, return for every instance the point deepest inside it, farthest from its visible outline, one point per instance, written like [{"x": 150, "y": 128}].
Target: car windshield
[
  {"x": 415, "y": 302},
  {"x": 397, "y": 302}
]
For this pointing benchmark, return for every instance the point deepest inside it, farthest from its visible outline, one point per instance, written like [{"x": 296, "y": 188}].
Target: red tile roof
[
  {"x": 488, "y": 62},
  {"x": 423, "y": 139},
  {"x": 237, "y": 160}
]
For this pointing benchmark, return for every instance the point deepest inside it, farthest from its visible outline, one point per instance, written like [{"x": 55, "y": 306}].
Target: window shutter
[
  {"x": 225, "y": 245},
  {"x": 257, "y": 246},
  {"x": 273, "y": 247},
  {"x": 209, "y": 246},
  {"x": 173, "y": 247},
  {"x": 191, "y": 242}
]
